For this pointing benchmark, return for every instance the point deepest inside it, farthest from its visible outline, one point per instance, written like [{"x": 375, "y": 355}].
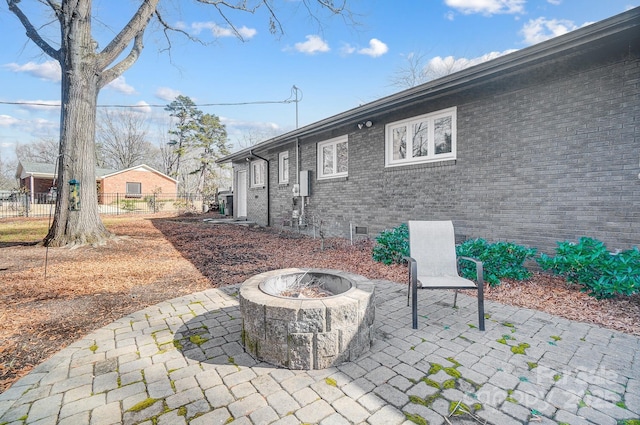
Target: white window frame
[
  {"x": 258, "y": 172},
  {"x": 136, "y": 193},
  {"x": 320, "y": 163},
  {"x": 283, "y": 167},
  {"x": 408, "y": 125}
]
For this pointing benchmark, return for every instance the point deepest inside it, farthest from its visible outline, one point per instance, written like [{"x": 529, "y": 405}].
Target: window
[
  {"x": 134, "y": 190},
  {"x": 258, "y": 172},
  {"x": 333, "y": 158},
  {"x": 426, "y": 138},
  {"x": 283, "y": 167}
]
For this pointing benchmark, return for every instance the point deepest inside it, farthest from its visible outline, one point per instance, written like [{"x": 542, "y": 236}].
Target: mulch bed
[{"x": 155, "y": 259}]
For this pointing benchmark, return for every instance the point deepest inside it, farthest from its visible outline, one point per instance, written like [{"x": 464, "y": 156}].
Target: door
[{"x": 241, "y": 190}]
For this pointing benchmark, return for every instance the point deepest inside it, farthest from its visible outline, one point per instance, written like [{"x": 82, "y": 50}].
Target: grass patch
[
  {"x": 453, "y": 372},
  {"x": 24, "y": 230},
  {"x": 435, "y": 368},
  {"x": 417, "y": 400},
  {"x": 520, "y": 348},
  {"x": 449, "y": 384},
  {"x": 431, "y": 383},
  {"x": 142, "y": 405},
  {"x": 197, "y": 339},
  {"x": 416, "y": 419}
]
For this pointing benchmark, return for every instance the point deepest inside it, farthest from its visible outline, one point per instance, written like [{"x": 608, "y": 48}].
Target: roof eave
[{"x": 473, "y": 75}]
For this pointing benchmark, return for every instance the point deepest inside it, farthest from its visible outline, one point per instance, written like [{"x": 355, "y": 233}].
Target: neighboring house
[
  {"x": 38, "y": 179},
  {"x": 535, "y": 147},
  {"x": 137, "y": 181}
]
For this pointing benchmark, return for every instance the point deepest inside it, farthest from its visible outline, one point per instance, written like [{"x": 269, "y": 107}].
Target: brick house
[
  {"x": 136, "y": 181},
  {"x": 534, "y": 147},
  {"x": 38, "y": 179}
]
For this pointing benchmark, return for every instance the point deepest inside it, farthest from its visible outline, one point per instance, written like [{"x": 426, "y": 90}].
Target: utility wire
[{"x": 259, "y": 102}]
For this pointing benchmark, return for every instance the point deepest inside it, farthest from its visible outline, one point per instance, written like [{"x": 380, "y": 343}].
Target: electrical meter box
[{"x": 305, "y": 183}]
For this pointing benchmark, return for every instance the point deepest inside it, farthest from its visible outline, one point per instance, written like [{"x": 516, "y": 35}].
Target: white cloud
[
  {"x": 555, "y": 2},
  {"x": 347, "y": 49},
  {"x": 120, "y": 85},
  {"x": 49, "y": 70},
  {"x": 142, "y": 107},
  {"x": 541, "y": 29},
  {"x": 220, "y": 32},
  {"x": 487, "y": 7},
  {"x": 166, "y": 93},
  {"x": 7, "y": 121},
  {"x": 313, "y": 45},
  {"x": 376, "y": 48},
  {"x": 439, "y": 66}
]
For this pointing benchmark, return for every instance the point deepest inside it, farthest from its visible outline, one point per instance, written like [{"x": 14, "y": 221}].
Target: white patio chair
[{"x": 433, "y": 264}]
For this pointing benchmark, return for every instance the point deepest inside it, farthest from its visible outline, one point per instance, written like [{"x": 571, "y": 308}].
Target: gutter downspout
[{"x": 268, "y": 183}]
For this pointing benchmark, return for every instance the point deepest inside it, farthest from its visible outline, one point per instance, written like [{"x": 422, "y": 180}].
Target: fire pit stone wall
[{"x": 308, "y": 333}]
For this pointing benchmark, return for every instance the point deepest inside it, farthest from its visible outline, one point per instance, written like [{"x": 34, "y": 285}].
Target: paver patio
[{"x": 181, "y": 361}]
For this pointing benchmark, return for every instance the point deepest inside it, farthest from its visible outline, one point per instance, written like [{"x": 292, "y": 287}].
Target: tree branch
[
  {"x": 32, "y": 33},
  {"x": 118, "y": 69},
  {"x": 134, "y": 29}
]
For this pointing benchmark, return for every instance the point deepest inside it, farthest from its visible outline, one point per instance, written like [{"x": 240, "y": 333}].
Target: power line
[{"x": 258, "y": 102}]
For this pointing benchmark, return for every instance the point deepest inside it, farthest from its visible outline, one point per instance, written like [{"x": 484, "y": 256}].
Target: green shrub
[
  {"x": 128, "y": 205},
  {"x": 500, "y": 260},
  {"x": 392, "y": 245},
  {"x": 590, "y": 264}
]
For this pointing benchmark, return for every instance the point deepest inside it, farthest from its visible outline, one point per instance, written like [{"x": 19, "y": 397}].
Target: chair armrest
[{"x": 479, "y": 269}]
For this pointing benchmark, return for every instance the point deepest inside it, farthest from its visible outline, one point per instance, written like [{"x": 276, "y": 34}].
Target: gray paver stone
[
  {"x": 315, "y": 412},
  {"x": 184, "y": 397},
  {"x": 171, "y": 418},
  {"x": 49, "y": 406},
  {"x": 388, "y": 415},
  {"x": 595, "y": 416},
  {"x": 282, "y": 402},
  {"x": 78, "y": 418},
  {"x": 130, "y": 418},
  {"x": 219, "y": 396},
  {"x": 391, "y": 395},
  {"x": 216, "y": 417},
  {"x": 247, "y": 405},
  {"x": 264, "y": 415},
  {"x": 425, "y": 413},
  {"x": 570, "y": 418},
  {"x": 109, "y": 414},
  {"x": 335, "y": 419},
  {"x": 82, "y": 405},
  {"x": 350, "y": 409}
]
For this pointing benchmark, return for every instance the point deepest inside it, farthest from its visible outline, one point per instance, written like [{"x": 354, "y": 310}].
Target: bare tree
[
  {"x": 7, "y": 174},
  {"x": 411, "y": 73},
  {"x": 86, "y": 69},
  {"x": 44, "y": 151},
  {"x": 121, "y": 137}
]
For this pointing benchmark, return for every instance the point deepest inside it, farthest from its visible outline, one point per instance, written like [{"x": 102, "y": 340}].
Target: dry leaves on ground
[{"x": 154, "y": 259}]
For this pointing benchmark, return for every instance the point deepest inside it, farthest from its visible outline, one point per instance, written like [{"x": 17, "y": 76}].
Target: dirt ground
[{"x": 153, "y": 259}]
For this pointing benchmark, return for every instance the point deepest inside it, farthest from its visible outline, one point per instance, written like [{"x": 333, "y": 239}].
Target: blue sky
[{"x": 336, "y": 66}]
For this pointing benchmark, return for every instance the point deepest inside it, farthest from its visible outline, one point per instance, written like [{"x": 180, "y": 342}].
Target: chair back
[{"x": 432, "y": 244}]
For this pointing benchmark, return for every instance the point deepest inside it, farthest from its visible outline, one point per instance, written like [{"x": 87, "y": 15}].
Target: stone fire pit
[{"x": 307, "y": 333}]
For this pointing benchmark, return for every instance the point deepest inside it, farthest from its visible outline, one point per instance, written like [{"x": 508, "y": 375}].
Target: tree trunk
[{"x": 76, "y": 161}]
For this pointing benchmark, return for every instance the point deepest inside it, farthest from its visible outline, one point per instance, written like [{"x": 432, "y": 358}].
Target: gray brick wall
[{"x": 541, "y": 157}]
